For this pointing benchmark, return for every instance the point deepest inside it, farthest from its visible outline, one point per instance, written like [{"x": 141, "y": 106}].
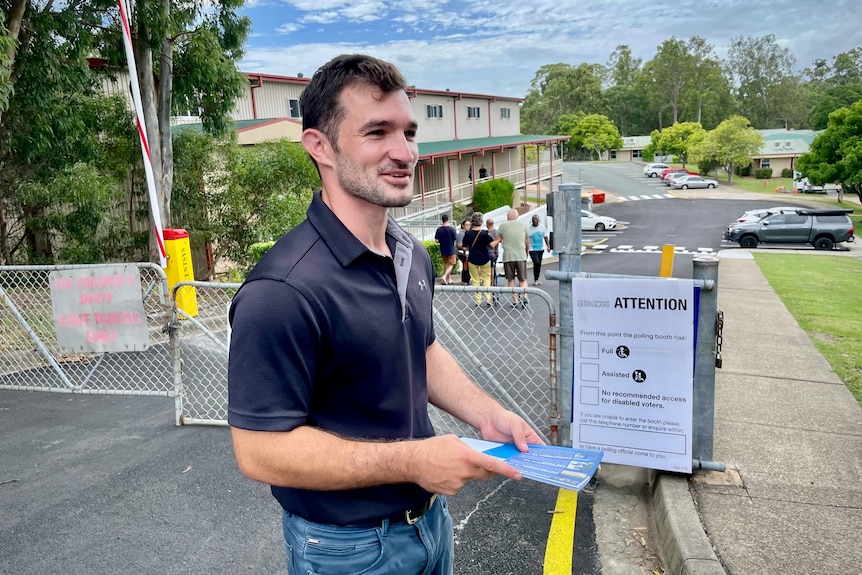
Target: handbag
[{"x": 467, "y": 254}]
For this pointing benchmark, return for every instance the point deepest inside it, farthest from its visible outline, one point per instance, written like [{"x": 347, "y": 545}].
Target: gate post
[
  {"x": 567, "y": 231},
  {"x": 705, "y": 268}
]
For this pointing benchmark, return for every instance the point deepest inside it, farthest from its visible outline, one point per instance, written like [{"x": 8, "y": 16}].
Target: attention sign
[{"x": 634, "y": 370}]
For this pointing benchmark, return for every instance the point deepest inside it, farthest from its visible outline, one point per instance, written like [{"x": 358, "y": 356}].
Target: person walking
[
  {"x": 515, "y": 241},
  {"x": 538, "y": 244},
  {"x": 462, "y": 252},
  {"x": 479, "y": 245},
  {"x": 329, "y": 408},
  {"x": 493, "y": 251},
  {"x": 445, "y": 236}
]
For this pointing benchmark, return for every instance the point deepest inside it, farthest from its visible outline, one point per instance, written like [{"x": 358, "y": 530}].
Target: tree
[
  {"x": 760, "y": 67},
  {"x": 54, "y": 120},
  {"x": 594, "y": 132},
  {"x": 625, "y": 103},
  {"x": 831, "y": 100},
  {"x": 663, "y": 79},
  {"x": 706, "y": 92},
  {"x": 836, "y": 154},
  {"x": 730, "y": 144},
  {"x": 187, "y": 50},
  {"x": 677, "y": 138},
  {"x": 234, "y": 197},
  {"x": 559, "y": 89}
]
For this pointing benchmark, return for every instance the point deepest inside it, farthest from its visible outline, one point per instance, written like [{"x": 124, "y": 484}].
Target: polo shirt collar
[{"x": 345, "y": 247}]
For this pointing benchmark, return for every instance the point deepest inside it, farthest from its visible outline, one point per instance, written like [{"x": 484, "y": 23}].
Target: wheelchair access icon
[{"x": 622, "y": 351}]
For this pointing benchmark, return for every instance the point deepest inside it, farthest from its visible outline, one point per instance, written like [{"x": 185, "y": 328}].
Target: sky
[{"x": 496, "y": 47}]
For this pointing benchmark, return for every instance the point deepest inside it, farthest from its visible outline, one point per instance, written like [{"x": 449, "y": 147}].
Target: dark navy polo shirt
[{"x": 329, "y": 334}]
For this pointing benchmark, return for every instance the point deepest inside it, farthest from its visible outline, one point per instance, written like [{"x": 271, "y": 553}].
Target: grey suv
[{"x": 820, "y": 228}]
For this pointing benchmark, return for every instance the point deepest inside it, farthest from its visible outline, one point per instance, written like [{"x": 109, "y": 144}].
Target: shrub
[
  {"x": 786, "y": 173},
  {"x": 433, "y": 249},
  {"x": 707, "y": 166},
  {"x": 763, "y": 173},
  {"x": 256, "y": 251},
  {"x": 493, "y": 194},
  {"x": 742, "y": 170}
]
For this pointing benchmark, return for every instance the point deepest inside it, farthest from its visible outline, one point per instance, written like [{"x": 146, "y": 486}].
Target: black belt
[{"x": 409, "y": 516}]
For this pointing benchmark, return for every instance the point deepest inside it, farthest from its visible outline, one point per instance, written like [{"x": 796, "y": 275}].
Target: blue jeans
[{"x": 424, "y": 548}]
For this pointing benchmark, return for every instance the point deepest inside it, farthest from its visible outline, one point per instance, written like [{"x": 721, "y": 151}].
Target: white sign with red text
[{"x": 99, "y": 309}]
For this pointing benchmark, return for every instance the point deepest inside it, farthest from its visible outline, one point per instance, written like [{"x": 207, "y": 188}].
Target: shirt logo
[{"x": 423, "y": 285}]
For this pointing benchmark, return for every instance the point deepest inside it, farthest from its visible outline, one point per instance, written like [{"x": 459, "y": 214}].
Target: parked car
[
  {"x": 671, "y": 177},
  {"x": 820, "y": 228},
  {"x": 593, "y": 221},
  {"x": 754, "y": 215},
  {"x": 653, "y": 170},
  {"x": 686, "y": 182},
  {"x": 669, "y": 171}
]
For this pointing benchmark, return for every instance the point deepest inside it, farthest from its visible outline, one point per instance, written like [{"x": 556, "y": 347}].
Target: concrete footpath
[{"x": 790, "y": 434}]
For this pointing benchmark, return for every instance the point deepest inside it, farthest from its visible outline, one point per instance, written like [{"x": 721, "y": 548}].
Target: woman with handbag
[{"x": 478, "y": 257}]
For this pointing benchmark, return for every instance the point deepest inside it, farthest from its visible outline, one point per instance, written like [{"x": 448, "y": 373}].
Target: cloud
[{"x": 496, "y": 46}]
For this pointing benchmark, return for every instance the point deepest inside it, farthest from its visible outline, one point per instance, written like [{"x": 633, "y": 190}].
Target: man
[
  {"x": 334, "y": 358},
  {"x": 445, "y": 236},
  {"x": 538, "y": 244},
  {"x": 515, "y": 240}
]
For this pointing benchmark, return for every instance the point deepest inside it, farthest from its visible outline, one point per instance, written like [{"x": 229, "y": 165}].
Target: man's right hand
[{"x": 444, "y": 464}]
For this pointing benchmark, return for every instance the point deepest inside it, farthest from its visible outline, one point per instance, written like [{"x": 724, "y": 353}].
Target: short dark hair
[
  {"x": 444, "y": 218},
  {"x": 320, "y": 101}
]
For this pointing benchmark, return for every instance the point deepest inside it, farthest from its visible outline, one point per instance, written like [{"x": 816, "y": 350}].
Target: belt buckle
[
  {"x": 425, "y": 508},
  {"x": 411, "y": 520}
]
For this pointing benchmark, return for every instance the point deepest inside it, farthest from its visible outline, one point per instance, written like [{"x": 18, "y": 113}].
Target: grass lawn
[{"x": 823, "y": 294}]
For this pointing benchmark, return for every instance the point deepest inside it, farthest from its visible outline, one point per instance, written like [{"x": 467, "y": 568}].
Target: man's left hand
[{"x": 510, "y": 427}]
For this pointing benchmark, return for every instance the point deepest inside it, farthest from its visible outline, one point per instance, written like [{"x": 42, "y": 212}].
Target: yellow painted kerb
[{"x": 561, "y": 538}]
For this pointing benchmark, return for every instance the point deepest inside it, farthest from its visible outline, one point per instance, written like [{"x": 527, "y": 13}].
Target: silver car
[{"x": 686, "y": 182}]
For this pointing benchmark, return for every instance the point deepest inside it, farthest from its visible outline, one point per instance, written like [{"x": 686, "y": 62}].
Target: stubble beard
[{"x": 356, "y": 183}]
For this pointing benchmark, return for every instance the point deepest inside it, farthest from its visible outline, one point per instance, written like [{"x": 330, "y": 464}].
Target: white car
[
  {"x": 593, "y": 221},
  {"x": 686, "y": 182},
  {"x": 755, "y": 215},
  {"x": 653, "y": 170}
]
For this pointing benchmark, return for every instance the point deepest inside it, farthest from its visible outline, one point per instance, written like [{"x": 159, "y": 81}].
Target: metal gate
[{"x": 32, "y": 359}]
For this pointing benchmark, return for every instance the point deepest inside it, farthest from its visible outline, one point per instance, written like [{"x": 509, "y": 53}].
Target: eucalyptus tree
[
  {"x": 184, "y": 51},
  {"x": 761, "y": 71},
  {"x": 559, "y": 89},
  {"x": 625, "y": 104}
]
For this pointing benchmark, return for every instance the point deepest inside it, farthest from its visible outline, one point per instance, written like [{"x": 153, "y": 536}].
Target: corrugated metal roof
[
  {"x": 449, "y": 147},
  {"x": 238, "y": 125}
]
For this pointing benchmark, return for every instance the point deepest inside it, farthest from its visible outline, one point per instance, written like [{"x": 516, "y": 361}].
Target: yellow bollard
[
  {"x": 180, "y": 269},
  {"x": 666, "y": 269}
]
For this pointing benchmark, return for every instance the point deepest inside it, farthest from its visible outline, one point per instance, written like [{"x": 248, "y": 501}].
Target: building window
[
  {"x": 637, "y": 154},
  {"x": 293, "y": 104},
  {"x": 613, "y": 154},
  {"x": 472, "y": 111},
  {"x": 765, "y": 162},
  {"x": 505, "y": 113},
  {"x": 432, "y": 111}
]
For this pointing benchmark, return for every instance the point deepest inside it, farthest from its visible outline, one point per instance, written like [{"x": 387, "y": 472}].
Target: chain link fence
[
  {"x": 31, "y": 357},
  {"x": 506, "y": 343},
  {"x": 508, "y": 350}
]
